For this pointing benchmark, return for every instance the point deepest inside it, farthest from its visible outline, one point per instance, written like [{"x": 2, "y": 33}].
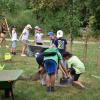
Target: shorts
[
  {"x": 25, "y": 42},
  {"x": 73, "y": 73},
  {"x": 14, "y": 44},
  {"x": 50, "y": 66}
]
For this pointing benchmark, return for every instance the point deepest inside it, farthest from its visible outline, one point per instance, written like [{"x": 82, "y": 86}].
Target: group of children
[
  {"x": 53, "y": 58},
  {"x": 56, "y": 57},
  {"x": 38, "y": 38},
  {"x": 24, "y": 39}
]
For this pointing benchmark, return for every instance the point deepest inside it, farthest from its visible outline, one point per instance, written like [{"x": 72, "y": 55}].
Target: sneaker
[
  {"x": 14, "y": 53},
  {"x": 52, "y": 89},
  {"x": 23, "y": 55},
  {"x": 49, "y": 89}
]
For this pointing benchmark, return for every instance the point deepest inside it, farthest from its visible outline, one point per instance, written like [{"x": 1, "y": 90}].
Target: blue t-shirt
[{"x": 61, "y": 45}]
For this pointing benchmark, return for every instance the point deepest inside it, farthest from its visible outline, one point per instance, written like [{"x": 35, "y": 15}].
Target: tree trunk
[
  {"x": 71, "y": 42},
  {"x": 99, "y": 56},
  {"x": 85, "y": 49}
]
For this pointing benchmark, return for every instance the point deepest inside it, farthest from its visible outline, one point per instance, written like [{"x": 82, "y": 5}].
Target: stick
[
  {"x": 98, "y": 77},
  {"x": 63, "y": 70},
  {"x": 20, "y": 36},
  {"x": 7, "y": 27}
]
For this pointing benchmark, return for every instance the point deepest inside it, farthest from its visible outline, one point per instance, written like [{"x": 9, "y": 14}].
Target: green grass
[{"x": 28, "y": 90}]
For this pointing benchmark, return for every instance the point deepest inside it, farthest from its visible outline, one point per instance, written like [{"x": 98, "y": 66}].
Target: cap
[
  {"x": 36, "y": 27},
  {"x": 59, "y": 33},
  {"x": 50, "y": 33}
]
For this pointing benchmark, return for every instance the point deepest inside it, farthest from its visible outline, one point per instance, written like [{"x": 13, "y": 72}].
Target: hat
[
  {"x": 50, "y": 33},
  {"x": 59, "y": 33},
  {"x": 36, "y": 27},
  {"x": 29, "y": 26}
]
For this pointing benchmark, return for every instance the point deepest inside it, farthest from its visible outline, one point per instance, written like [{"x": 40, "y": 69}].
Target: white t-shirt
[
  {"x": 14, "y": 35},
  {"x": 38, "y": 37},
  {"x": 25, "y": 34}
]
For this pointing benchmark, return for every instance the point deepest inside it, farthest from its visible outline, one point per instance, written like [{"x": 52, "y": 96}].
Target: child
[
  {"x": 36, "y": 29},
  {"x": 38, "y": 37},
  {"x": 60, "y": 42},
  {"x": 51, "y": 58},
  {"x": 39, "y": 59},
  {"x": 75, "y": 66},
  {"x": 14, "y": 40},
  {"x": 52, "y": 37},
  {"x": 25, "y": 35}
]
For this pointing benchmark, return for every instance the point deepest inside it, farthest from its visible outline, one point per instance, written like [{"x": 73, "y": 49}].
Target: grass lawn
[{"x": 29, "y": 90}]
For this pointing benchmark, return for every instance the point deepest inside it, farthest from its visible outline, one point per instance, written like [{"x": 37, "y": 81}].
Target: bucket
[{"x": 7, "y": 56}]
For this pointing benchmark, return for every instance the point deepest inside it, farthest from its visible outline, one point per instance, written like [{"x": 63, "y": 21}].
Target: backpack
[
  {"x": 50, "y": 52},
  {"x": 46, "y": 54}
]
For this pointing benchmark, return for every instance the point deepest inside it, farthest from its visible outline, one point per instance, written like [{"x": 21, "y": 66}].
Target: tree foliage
[{"x": 68, "y": 15}]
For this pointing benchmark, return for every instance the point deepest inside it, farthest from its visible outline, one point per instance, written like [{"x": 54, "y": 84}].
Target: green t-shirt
[
  {"x": 56, "y": 57},
  {"x": 75, "y": 62}
]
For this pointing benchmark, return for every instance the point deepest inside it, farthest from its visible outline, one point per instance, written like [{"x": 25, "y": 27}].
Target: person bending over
[
  {"x": 51, "y": 58},
  {"x": 75, "y": 66}
]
